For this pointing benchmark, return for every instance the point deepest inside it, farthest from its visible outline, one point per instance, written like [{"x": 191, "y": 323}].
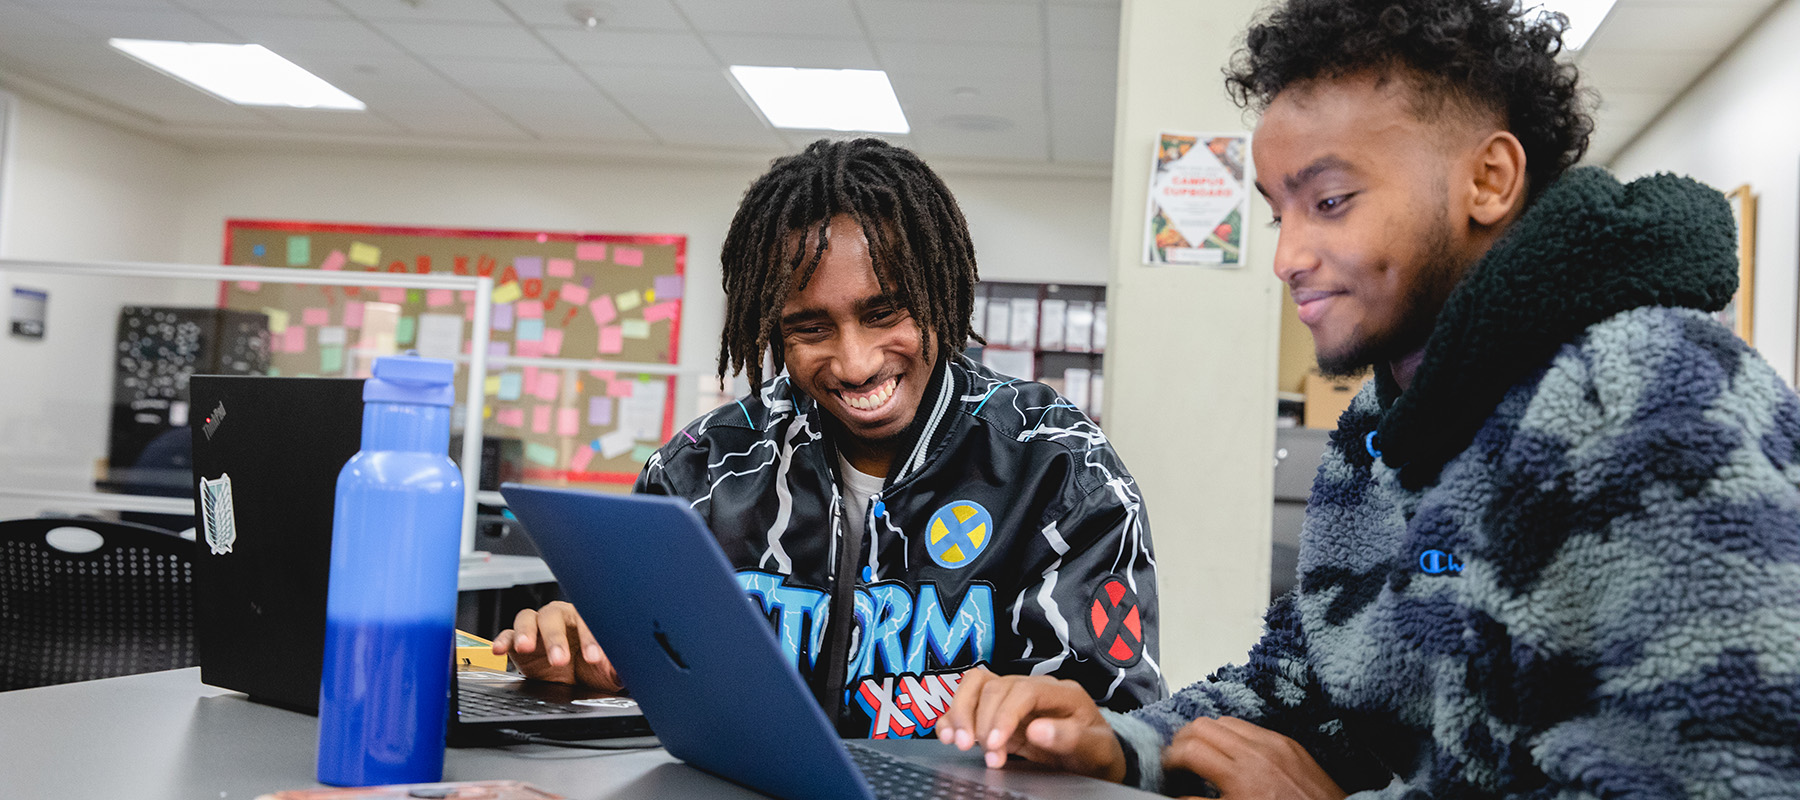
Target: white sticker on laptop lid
[{"x": 216, "y": 515}]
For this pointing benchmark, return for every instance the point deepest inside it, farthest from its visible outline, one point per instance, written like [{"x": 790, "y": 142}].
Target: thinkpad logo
[{"x": 212, "y": 421}]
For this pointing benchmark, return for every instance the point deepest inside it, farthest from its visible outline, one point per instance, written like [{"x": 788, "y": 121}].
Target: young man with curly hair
[
  {"x": 899, "y": 512},
  {"x": 1554, "y": 547}
]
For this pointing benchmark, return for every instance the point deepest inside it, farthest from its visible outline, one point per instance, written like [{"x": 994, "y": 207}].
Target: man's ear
[{"x": 1498, "y": 185}]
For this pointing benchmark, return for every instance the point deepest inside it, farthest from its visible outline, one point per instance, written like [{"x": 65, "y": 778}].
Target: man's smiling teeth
[{"x": 872, "y": 400}]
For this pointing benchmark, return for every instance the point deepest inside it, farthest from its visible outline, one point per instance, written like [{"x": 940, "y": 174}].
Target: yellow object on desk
[{"x": 477, "y": 652}]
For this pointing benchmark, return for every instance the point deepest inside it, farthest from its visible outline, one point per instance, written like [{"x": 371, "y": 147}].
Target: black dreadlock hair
[
  {"x": 1487, "y": 56},
  {"x": 918, "y": 241}
]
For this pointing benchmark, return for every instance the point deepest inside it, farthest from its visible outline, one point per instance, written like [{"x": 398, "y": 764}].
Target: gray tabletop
[{"x": 166, "y": 735}]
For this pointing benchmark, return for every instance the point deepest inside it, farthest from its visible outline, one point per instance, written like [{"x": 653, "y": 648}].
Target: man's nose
[{"x": 859, "y": 356}]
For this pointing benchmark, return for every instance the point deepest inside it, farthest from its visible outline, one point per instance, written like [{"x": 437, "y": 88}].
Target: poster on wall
[
  {"x": 570, "y": 297},
  {"x": 1199, "y": 199}
]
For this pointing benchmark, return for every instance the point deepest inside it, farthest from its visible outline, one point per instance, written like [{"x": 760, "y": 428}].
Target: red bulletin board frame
[{"x": 540, "y": 237}]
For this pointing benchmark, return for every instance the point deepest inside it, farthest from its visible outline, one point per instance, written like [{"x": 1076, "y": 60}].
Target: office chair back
[{"x": 85, "y": 599}]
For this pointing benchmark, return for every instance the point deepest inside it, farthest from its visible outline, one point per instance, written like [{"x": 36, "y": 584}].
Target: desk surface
[{"x": 166, "y": 735}]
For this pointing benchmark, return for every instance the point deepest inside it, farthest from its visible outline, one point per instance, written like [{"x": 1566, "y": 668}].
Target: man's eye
[
  {"x": 1275, "y": 222},
  {"x": 1331, "y": 204}
]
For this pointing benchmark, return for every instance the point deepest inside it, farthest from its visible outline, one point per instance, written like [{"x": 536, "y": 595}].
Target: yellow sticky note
[
  {"x": 278, "y": 320},
  {"x": 365, "y": 254},
  {"x": 627, "y": 301},
  {"x": 492, "y": 386},
  {"x": 507, "y": 292},
  {"x": 649, "y": 295}
]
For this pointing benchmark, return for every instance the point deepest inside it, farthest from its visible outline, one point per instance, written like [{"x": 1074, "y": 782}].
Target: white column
[{"x": 1192, "y": 351}]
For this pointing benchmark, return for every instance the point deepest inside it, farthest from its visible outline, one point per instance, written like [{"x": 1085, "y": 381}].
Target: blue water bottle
[{"x": 390, "y": 613}]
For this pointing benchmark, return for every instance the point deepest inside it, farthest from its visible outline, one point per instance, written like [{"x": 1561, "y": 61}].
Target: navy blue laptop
[{"x": 653, "y": 586}]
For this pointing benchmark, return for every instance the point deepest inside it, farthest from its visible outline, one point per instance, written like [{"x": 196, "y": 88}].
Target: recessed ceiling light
[
  {"x": 246, "y": 74},
  {"x": 823, "y": 99},
  {"x": 1584, "y": 17}
]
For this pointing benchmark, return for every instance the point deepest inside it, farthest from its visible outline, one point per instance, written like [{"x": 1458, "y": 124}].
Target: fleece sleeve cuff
[{"x": 1143, "y": 750}]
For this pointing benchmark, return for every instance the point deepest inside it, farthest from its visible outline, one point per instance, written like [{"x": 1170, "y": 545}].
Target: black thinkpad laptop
[{"x": 267, "y": 452}]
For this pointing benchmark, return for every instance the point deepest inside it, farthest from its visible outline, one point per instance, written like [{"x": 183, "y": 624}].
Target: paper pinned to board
[{"x": 440, "y": 335}]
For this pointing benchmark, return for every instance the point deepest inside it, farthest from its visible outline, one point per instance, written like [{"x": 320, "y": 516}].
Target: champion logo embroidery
[
  {"x": 1116, "y": 623},
  {"x": 958, "y": 533},
  {"x": 1438, "y": 562}
]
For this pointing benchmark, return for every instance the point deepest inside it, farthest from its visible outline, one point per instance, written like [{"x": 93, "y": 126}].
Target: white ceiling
[{"x": 1021, "y": 82}]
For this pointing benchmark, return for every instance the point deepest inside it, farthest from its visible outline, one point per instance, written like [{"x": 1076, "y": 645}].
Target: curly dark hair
[
  {"x": 1482, "y": 55},
  {"x": 918, "y": 241}
]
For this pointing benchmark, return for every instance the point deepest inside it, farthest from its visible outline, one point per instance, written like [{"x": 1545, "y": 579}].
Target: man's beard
[{"x": 1419, "y": 307}]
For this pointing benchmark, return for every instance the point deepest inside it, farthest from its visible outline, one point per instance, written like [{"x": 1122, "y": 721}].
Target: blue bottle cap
[{"x": 411, "y": 379}]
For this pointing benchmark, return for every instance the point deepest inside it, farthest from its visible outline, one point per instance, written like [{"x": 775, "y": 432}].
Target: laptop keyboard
[
  {"x": 473, "y": 701},
  {"x": 897, "y": 779}
]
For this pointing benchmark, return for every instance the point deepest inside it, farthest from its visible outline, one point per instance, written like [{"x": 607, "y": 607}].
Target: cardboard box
[{"x": 1326, "y": 399}]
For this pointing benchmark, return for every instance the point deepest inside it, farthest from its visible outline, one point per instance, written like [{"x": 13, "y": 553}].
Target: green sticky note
[
  {"x": 299, "y": 251},
  {"x": 274, "y": 372},
  {"x": 545, "y": 454},
  {"x": 635, "y": 329},
  {"x": 331, "y": 359},
  {"x": 403, "y": 332},
  {"x": 642, "y": 453}
]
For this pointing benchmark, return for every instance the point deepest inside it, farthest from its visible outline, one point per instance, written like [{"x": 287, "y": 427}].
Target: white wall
[
  {"x": 1741, "y": 124},
  {"x": 78, "y": 190}
]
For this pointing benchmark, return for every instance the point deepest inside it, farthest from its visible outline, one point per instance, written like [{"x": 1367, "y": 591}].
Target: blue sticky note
[
  {"x": 530, "y": 330},
  {"x": 512, "y": 384}
]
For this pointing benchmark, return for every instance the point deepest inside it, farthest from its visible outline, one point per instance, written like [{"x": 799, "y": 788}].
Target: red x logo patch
[{"x": 1114, "y": 620}]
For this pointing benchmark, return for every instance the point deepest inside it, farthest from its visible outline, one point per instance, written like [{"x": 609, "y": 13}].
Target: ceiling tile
[
  {"x": 467, "y": 39},
  {"x": 161, "y": 5},
  {"x": 305, "y": 34},
  {"x": 441, "y": 10},
  {"x": 1007, "y": 145},
  {"x": 43, "y": 54},
  {"x": 371, "y": 73},
  {"x": 568, "y": 115},
  {"x": 159, "y": 97},
  {"x": 284, "y": 8},
  {"x": 451, "y": 121},
  {"x": 783, "y": 51},
  {"x": 614, "y": 14},
  {"x": 19, "y": 22},
  {"x": 953, "y": 22},
  {"x": 308, "y": 120},
  {"x": 925, "y": 58},
  {"x": 684, "y": 83},
  {"x": 1692, "y": 26},
  {"x": 644, "y": 48},
  {"x": 1084, "y": 26},
  {"x": 828, "y": 18},
  {"x": 489, "y": 73},
  {"x": 171, "y": 24}
]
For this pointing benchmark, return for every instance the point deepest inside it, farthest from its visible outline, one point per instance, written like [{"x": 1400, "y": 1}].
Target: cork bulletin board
[{"x": 608, "y": 297}]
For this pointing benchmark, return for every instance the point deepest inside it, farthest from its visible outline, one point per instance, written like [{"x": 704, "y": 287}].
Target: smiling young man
[
  {"x": 1554, "y": 548},
  {"x": 899, "y": 512}
]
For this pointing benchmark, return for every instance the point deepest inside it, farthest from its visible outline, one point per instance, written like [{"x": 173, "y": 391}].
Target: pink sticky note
[
  {"x": 393, "y": 294},
  {"x": 657, "y": 312},
  {"x": 438, "y": 298},
  {"x": 568, "y": 422},
  {"x": 612, "y": 340},
  {"x": 530, "y": 309},
  {"x": 526, "y": 348},
  {"x": 296, "y": 338},
  {"x": 590, "y": 251},
  {"x": 511, "y": 417},
  {"x": 335, "y": 261},
  {"x": 353, "y": 314},
  {"x": 465, "y": 296},
  {"x": 619, "y": 388},
  {"x": 250, "y": 286},
  {"x": 604, "y": 312},
  {"x": 583, "y": 455},
  {"x": 540, "y": 419},
  {"x": 560, "y": 267},
  {"x": 469, "y": 312},
  {"x": 552, "y": 343},
  {"x": 547, "y": 384},
  {"x": 315, "y": 316},
  {"x": 278, "y": 343},
  {"x": 572, "y": 292},
  {"x": 602, "y": 374},
  {"x": 530, "y": 377},
  {"x": 628, "y": 257}
]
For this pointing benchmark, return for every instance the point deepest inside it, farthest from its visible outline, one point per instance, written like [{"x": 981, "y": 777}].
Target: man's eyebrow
[
  {"x": 1319, "y": 166},
  {"x": 872, "y": 302},
  {"x": 806, "y": 315}
]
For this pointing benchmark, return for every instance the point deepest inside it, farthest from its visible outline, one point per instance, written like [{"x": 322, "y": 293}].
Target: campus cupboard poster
[{"x": 1199, "y": 200}]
